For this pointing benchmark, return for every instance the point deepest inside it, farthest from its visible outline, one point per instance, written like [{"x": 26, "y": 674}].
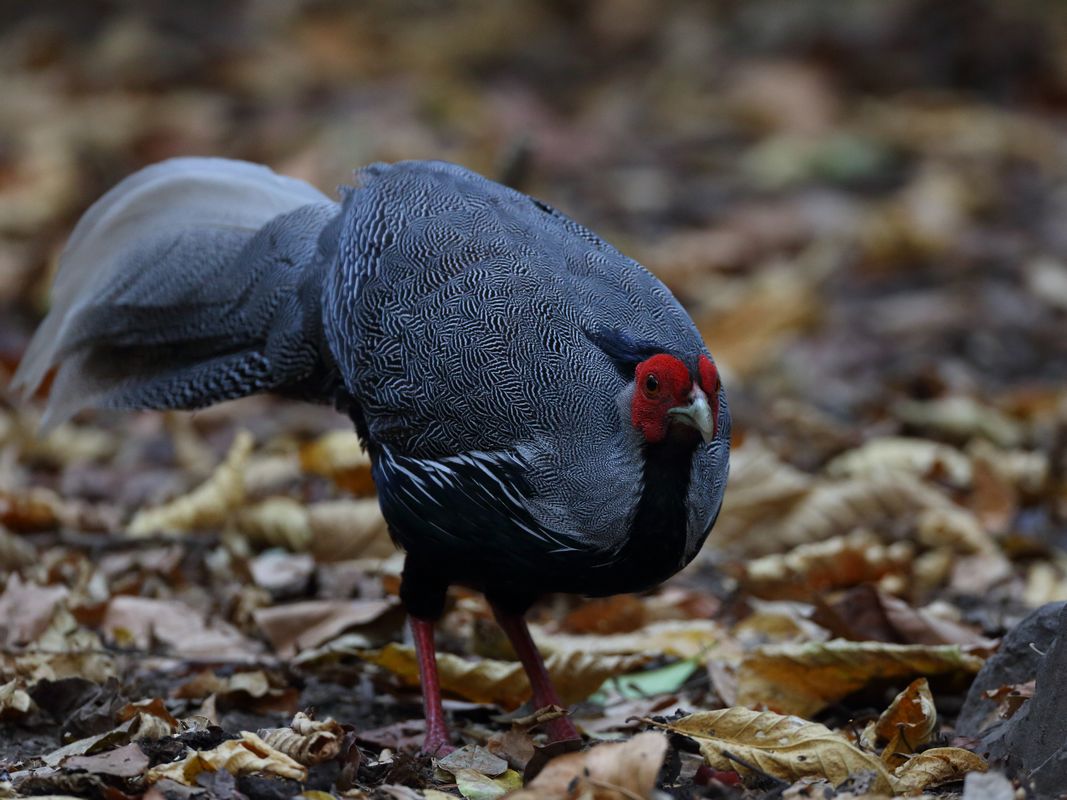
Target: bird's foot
[
  {"x": 561, "y": 729},
  {"x": 437, "y": 743}
]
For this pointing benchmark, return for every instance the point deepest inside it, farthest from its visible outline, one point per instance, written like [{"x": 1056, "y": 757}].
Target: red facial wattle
[
  {"x": 710, "y": 383},
  {"x": 660, "y": 384}
]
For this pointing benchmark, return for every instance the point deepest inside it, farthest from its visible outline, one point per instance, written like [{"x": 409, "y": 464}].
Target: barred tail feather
[{"x": 192, "y": 281}]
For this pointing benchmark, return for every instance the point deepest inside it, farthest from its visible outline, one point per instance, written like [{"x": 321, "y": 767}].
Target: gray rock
[{"x": 1016, "y": 661}]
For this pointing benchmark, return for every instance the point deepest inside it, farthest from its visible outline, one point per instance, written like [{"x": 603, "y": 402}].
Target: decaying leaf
[
  {"x": 128, "y": 761},
  {"x": 908, "y": 723},
  {"x": 27, "y": 609},
  {"x": 207, "y": 505},
  {"x": 934, "y": 767},
  {"x": 576, "y": 675},
  {"x": 783, "y": 746},
  {"x": 246, "y": 755},
  {"x": 623, "y": 771},
  {"x": 922, "y": 458},
  {"x": 810, "y": 569},
  {"x": 802, "y": 679},
  {"x": 307, "y": 741}
]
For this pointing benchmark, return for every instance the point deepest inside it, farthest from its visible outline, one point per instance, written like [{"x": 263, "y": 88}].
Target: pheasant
[{"x": 540, "y": 412}]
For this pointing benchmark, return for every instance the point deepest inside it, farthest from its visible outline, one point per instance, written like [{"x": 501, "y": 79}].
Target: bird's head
[{"x": 669, "y": 400}]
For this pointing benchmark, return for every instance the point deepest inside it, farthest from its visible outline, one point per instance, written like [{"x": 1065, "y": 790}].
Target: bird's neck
[{"x": 656, "y": 545}]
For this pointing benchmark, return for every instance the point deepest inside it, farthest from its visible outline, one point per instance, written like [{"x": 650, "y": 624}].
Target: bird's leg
[
  {"x": 544, "y": 693},
  {"x": 437, "y": 741}
]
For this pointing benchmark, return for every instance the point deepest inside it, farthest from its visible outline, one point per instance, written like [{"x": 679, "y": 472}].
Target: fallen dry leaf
[
  {"x": 786, "y": 747},
  {"x": 811, "y": 569},
  {"x": 207, "y": 505},
  {"x": 576, "y": 675},
  {"x": 922, "y": 458},
  {"x": 622, "y": 771},
  {"x": 908, "y": 723},
  {"x": 935, "y": 767},
  {"x": 244, "y": 756},
  {"x": 802, "y": 679},
  {"x": 295, "y": 627},
  {"x": 331, "y": 530},
  {"x": 141, "y": 621},
  {"x": 680, "y": 639},
  {"x": 128, "y": 761},
  {"x": 307, "y": 741}
]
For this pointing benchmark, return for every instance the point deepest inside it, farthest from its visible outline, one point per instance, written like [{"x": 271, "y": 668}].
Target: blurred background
[
  {"x": 863, "y": 205},
  {"x": 852, "y": 199}
]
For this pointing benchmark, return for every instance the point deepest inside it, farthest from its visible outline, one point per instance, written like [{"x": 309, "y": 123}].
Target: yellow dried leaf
[
  {"x": 576, "y": 675},
  {"x": 908, "y": 723},
  {"x": 207, "y": 505},
  {"x": 332, "y": 530},
  {"x": 837, "y": 508},
  {"x": 617, "y": 771},
  {"x": 677, "y": 638},
  {"x": 339, "y": 456},
  {"x": 802, "y": 679},
  {"x": 243, "y": 756},
  {"x": 811, "y": 569},
  {"x": 786, "y": 747},
  {"x": 922, "y": 458},
  {"x": 306, "y": 740},
  {"x": 934, "y": 767}
]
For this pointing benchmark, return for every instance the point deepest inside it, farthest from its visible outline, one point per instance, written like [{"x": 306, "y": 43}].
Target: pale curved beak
[{"x": 697, "y": 413}]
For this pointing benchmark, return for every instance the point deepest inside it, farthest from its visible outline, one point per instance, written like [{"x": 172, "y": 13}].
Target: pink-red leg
[
  {"x": 544, "y": 693},
  {"x": 437, "y": 741}
]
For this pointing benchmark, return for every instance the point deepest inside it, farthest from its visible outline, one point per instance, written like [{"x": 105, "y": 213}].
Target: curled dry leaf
[
  {"x": 617, "y": 771},
  {"x": 810, "y": 569},
  {"x": 681, "y": 639},
  {"x": 919, "y": 457},
  {"x": 244, "y": 756},
  {"x": 306, "y": 740},
  {"x": 934, "y": 767},
  {"x": 908, "y": 723},
  {"x": 207, "y": 505},
  {"x": 786, "y": 747},
  {"x": 576, "y": 675},
  {"x": 339, "y": 456},
  {"x": 64, "y": 650},
  {"x": 803, "y": 679},
  {"x": 837, "y": 508},
  {"x": 331, "y": 530}
]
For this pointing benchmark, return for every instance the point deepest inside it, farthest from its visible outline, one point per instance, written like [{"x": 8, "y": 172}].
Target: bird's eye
[{"x": 651, "y": 384}]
